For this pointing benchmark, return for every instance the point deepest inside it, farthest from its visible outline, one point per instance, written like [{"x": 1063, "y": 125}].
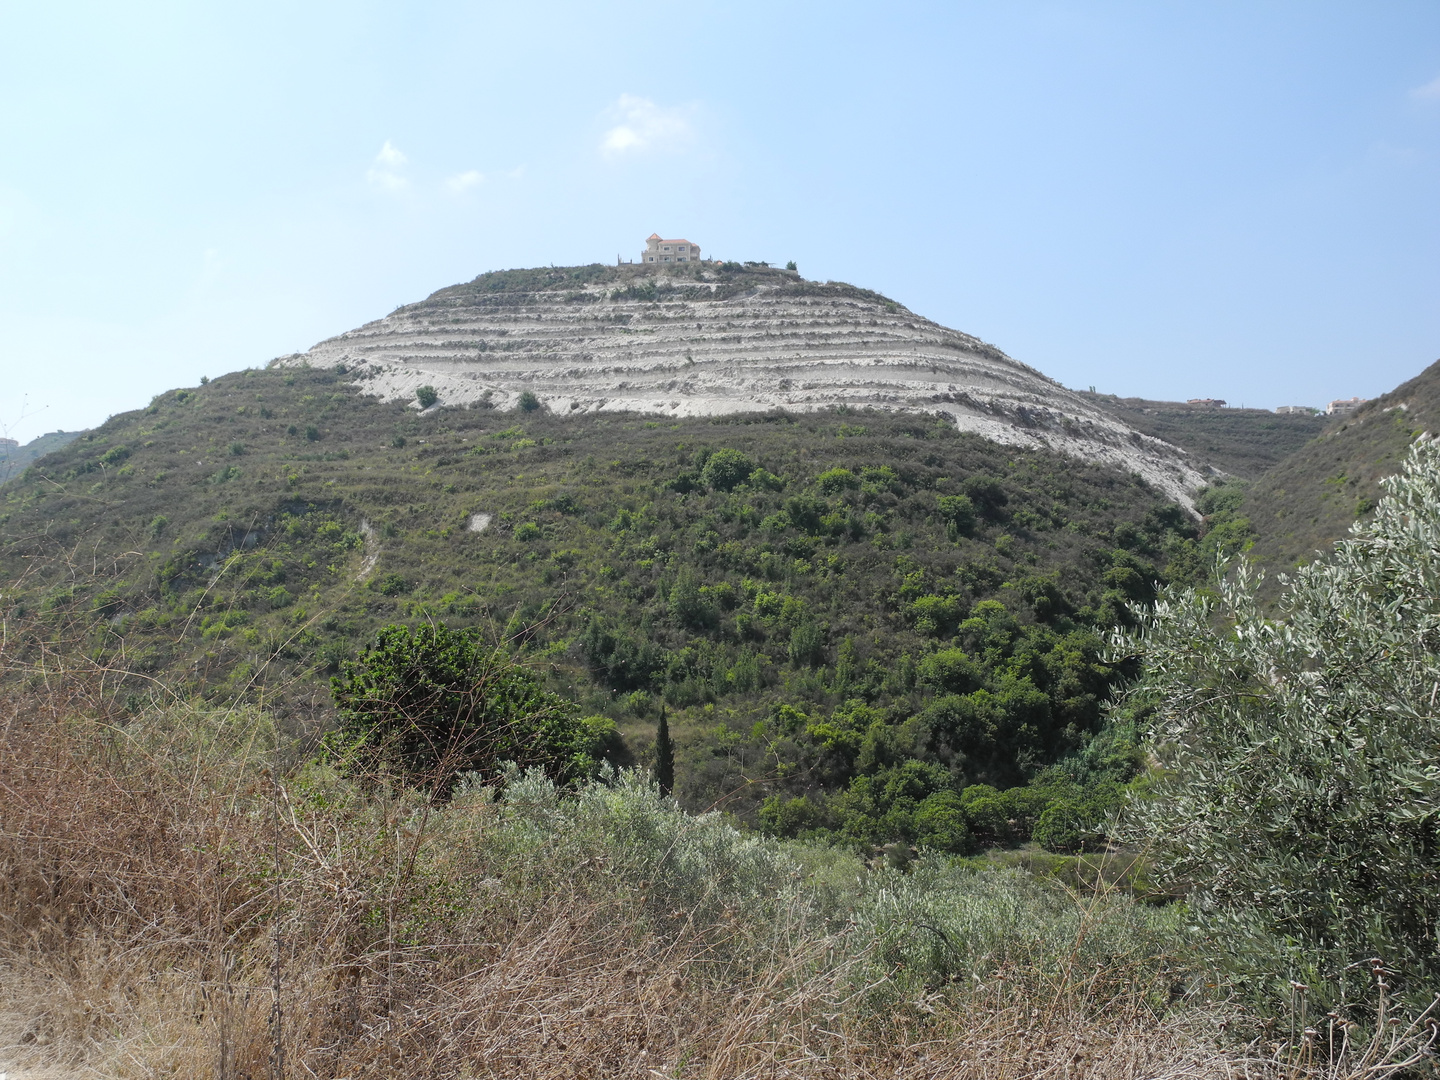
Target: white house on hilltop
[
  {"x": 664, "y": 251},
  {"x": 1344, "y": 405}
]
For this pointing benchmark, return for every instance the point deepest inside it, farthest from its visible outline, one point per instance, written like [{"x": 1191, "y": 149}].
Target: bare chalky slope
[{"x": 713, "y": 338}]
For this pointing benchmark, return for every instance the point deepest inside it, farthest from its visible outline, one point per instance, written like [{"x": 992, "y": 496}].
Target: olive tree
[{"x": 1296, "y": 798}]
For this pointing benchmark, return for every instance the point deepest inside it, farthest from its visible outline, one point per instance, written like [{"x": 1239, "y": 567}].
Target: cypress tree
[{"x": 664, "y": 756}]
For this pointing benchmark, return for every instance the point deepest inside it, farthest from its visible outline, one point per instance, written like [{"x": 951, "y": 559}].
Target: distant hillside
[
  {"x": 790, "y": 586},
  {"x": 1314, "y": 495},
  {"x": 1243, "y": 442},
  {"x": 14, "y": 459}
]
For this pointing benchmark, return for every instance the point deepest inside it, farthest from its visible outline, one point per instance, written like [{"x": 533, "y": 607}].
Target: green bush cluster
[{"x": 428, "y": 703}]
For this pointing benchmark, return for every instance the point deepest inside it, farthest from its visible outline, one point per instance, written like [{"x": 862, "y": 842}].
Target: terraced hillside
[{"x": 713, "y": 339}]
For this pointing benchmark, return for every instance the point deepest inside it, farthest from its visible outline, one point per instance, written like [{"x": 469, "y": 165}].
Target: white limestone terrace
[{"x": 710, "y": 339}]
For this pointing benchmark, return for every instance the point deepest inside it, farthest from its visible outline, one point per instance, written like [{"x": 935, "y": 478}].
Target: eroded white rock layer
[{"x": 706, "y": 342}]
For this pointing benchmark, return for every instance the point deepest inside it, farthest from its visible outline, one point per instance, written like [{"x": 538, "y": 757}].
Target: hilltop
[{"x": 710, "y": 339}]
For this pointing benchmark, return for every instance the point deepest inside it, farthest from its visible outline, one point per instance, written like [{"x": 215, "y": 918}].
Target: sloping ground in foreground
[{"x": 330, "y": 931}]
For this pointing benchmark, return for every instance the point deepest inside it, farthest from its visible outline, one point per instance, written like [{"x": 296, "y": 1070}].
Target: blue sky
[{"x": 1238, "y": 200}]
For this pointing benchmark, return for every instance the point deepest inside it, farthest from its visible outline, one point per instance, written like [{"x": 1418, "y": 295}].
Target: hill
[
  {"x": 847, "y": 613},
  {"x": 1313, "y": 497},
  {"x": 15, "y": 457},
  {"x": 711, "y": 339},
  {"x": 1242, "y": 442}
]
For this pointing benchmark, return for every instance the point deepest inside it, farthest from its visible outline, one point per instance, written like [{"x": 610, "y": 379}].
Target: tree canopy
[
  {"x": 1298, "y": 798},
  {"x": 429, "y": 703}
]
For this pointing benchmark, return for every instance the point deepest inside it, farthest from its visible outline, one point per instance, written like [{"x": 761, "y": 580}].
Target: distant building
[
  {"x": 664, "y": 251},
  {"x": 1213, "y": 402},
  {"x": 1344, "y": 405},
  {"x": 1295, "y": 410},
  {"x": 5, "y": 444}
]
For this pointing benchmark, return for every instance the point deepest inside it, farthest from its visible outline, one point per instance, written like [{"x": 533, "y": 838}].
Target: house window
[{"x": 665, "y": 259}]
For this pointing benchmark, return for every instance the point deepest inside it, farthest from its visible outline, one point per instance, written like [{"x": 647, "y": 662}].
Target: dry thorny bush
[{"x": 170, "y": 906}]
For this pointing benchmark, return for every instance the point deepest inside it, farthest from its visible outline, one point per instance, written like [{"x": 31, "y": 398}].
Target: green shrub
[
  {"x": 429, "y": 703},
  {"x": 726, "y": 469},
  {"x": 958, "y": 511},
  {"x": 527, "y": 402},
  {"x": 807, "y": 645},
  {"x": 689, "y": 605},
  {"x": 834, "y": 481},
  {"x": 426, "y": 396},
  {"x": 391, "y": 585},
  {"x": 988, "y": 813},
  {"x": 987, "y": 494},
  {"x": 1062, "y": 828},
  {"x": 943, "y": 824}
]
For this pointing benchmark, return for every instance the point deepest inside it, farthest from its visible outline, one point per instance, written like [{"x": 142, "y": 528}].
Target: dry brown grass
[{"x": 168, "y": 909}]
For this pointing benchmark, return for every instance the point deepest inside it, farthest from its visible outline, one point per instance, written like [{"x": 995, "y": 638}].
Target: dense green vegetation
[{"x": 865, "y": 626}]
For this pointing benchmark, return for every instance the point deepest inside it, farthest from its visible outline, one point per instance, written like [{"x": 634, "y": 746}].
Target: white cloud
[
  {"x": 1429, "y": 92},
  {"x": 384, "y": 174},
  {"x": 390, "y": 155},
  {"x": 639, "y": 124},
  {"x": 464, "y": 181}
]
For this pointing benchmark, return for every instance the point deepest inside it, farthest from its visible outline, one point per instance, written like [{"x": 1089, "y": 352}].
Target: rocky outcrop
[{"x": 710, "y": 339}]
